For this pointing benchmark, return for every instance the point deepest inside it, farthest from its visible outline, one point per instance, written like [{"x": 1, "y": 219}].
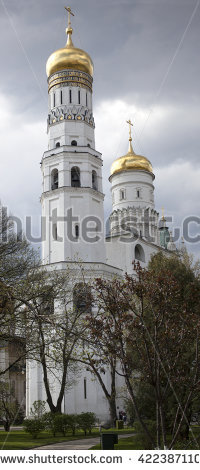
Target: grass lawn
[
  {"x": 135, "y": 442},
  {"x": 128, "y": 443},
  {"x": 17, "y": 440}
]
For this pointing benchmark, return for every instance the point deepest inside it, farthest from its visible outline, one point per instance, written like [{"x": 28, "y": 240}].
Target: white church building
[{"x": 73, "y": 204}]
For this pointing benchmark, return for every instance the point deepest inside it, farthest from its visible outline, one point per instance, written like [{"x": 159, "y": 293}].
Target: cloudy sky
[{"x": 147, "y": 68}]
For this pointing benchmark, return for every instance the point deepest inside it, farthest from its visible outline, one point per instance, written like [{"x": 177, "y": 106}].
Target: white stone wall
[
  {"x": 85, "y": 202},
  {"x": 136, "y": 187}
]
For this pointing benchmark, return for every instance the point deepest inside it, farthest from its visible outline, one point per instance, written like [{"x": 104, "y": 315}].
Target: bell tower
[
  {"x": 133, "y": 195},
  {"x": 72, "y": 197}
]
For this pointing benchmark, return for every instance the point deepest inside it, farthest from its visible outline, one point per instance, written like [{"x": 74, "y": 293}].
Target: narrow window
[
  {"x": 82, "y": 300},
  {"x": 75, "y": 177},
  {"x": 79, "y": 97},
  {"x": 76, "y": 231},
  {"x": 55, "y": 233},
  {"x": 122, "y": 194},
  {"x": 61, "y": 97},
  {"x": 74, "y": 143},
  {"x": 86, "y": 99},
  {"x": 58, "y": 144},
  {"x": 54, "y": 100},
  {"x": 94, "y": 180},
  {"x": 85, "y": 388},
  {"x": 138, "y": 193},
  {"x": 70, "y": 96},
  {"x": 54, "y": 179}
]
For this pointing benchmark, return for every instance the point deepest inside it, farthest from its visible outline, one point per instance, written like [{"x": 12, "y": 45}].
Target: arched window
[
  {"x": 139, "y": 253},
  {"x": 58, "y": 144},
  {"x": 54, "y": 179},
  {"x": 79, "y": 97},
  {"x": 61, "y": 97},
  {"x": 70, "y": 96},
  {"x": 88, "y": 145},
  {"x": 82, "y": 300},
  {"x": 94, "y": 180},
  {"x": 86, "y": 99},
  {"x": 74, "y": 143},
  {"x": 75, "y": 177}
]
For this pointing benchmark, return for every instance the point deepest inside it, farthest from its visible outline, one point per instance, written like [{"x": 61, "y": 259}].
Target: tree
[
  {"x": 8, "y": 406},
  {"x": 53, "y": 328},
  {"x": 153, "y": 324},
  {"x": 17, "y": 259}
]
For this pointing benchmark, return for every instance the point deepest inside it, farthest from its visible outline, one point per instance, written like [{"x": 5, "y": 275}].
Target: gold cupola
[
  {"x": 131, "y": 161},
  {"x": 69, "y": 57}
]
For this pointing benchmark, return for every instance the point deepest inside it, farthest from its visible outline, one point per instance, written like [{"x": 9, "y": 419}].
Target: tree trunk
[
  {"x": 7, "y": 426},
  {"x": 158, "y": 425},
  {"x": 133, "y": 399},
  {"x": 113, "y": 411}
]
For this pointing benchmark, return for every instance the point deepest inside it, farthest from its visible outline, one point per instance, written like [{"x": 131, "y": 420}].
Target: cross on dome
[
  {"x": 130, "y": 136},
  {"x": 69, "y": 29},
  {"x": 130, "y": 124},
  {"x": 68, "y": 9}
]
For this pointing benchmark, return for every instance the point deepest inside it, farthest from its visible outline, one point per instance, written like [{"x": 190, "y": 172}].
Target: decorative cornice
[
  {"x": 72, "y": 190},
  {"x": 70, "y": 78},
  {"x": 70, "y": 113}
]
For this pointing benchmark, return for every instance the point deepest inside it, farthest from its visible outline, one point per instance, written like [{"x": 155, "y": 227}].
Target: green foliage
[
  {"x": 141, "y": 435},
  {"x": 60, "y": 423},
  {"x": 38, "y": 409},
  {"x": 33, "y": 426},
  {"x": 145, "y": 398},
  {"x": 86, "y": 421},
  {"x": 71, "y": 422},
  {"x": 8, "y": 405},
  {"x": 49, "y": 420}
]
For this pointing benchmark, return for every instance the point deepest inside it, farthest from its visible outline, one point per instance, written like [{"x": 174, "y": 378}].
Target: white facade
[{"x": 72, "y": 202}]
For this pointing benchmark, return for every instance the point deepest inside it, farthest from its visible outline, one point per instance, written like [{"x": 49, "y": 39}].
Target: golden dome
[
  {"x": 131, "y": 161},
  {"x": 69, "y": 57}
]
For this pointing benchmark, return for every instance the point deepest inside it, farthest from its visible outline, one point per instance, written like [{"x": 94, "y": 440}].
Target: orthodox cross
[
  {"x": 130, "y": 124},
  {"x": 68, "y": 9}
]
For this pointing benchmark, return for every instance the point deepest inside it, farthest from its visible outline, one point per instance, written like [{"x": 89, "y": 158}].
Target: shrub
[
  {"x": 33, "y": 426},
  {"x": 86, "y": 421},
  {"x": 71, "y": 422},
  {"x": 49, "y": 420}
]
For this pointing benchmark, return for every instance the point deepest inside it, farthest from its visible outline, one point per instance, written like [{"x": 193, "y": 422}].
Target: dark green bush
[
  {"x": 86, "y": 421},
  {"x": 33, "y": 426},
  {"x": 71, "y": 423},
  {"x": 50, "y": 423},
  {"x": 141, "y": 435}
]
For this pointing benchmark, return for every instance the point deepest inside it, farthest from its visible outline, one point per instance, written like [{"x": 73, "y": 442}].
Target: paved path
[{"x": 79, "y": 444}]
